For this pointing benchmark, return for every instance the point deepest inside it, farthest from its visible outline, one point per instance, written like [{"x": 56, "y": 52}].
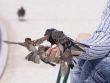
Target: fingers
[
  {"x": 52, "y": 53},
  {"x": 48, "y": 52}
]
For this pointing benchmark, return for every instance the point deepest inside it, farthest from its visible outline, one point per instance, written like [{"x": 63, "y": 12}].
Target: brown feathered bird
[{"x": 34, "y": 55}]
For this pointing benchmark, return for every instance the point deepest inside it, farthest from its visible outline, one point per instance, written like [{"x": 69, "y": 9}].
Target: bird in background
[{"x": 21, "y": 13}]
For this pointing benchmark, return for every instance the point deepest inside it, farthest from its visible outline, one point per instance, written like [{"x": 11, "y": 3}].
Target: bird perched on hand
[
  {"x": 65, "y": 44},
  {"x": 58, "y": 37}
]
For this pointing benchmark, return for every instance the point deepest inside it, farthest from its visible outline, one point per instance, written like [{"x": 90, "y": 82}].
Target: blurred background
[{"x": 71, "y": 16}]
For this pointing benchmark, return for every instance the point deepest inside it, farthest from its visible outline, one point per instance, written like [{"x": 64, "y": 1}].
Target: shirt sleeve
[
  {"x": 100, "y": 40},
  {"x": 105, "y": 18},
  {"x": 99, "y": 44},
  {"x": 95, "y": 52}
]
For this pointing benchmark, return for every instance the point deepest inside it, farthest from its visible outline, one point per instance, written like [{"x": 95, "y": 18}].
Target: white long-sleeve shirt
[{"x": 100, "y": 40}]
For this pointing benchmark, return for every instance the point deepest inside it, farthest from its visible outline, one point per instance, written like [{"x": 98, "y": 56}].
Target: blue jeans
[{"x": 92, "y": 71}]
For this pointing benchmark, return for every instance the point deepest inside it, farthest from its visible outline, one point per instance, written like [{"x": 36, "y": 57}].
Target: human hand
[{"x": 53, "y": 53}]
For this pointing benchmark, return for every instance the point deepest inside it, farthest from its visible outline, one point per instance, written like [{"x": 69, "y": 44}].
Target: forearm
[{"x": 95, "y": 52}]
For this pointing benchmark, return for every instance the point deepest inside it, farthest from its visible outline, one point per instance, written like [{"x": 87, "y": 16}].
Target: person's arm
[
  {"x": 97, "y": 49},
  {"x": 100, "y": 41},
  {"x": 95, "y": 52}
]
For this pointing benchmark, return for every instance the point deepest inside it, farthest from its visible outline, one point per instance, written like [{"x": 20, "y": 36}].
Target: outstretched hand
[{"x": 54, "y": 52}]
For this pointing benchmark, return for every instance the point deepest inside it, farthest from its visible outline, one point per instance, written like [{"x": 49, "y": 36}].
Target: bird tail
[{"x": 8, "y": 42}]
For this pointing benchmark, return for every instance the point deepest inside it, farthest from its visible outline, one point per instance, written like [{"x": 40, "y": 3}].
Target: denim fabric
[
  {"x": 74, "y": 75},
  {"x": 93, "y": 71}
]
